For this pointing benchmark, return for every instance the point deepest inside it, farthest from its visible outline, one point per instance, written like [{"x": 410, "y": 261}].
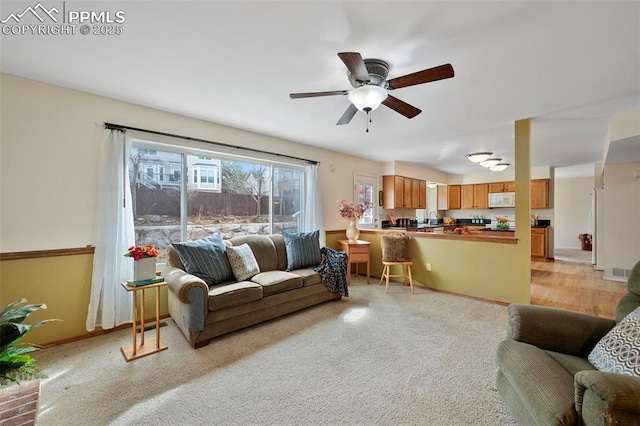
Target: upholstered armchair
[{"x": 545, "y": 375}]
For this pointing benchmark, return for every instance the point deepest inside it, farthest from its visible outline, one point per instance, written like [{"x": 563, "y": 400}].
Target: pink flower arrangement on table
[
  {"x": 142, "y": 252},
  {"x": 349, "y": 210}
]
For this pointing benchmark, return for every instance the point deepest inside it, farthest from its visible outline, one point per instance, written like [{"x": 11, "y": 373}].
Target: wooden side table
[
  {"x": 357, "y": 252},
  {"x": 138, "y": 350}
]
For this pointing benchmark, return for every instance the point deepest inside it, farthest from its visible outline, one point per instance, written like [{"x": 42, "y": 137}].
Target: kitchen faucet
[{"x": 429, "y": 218}]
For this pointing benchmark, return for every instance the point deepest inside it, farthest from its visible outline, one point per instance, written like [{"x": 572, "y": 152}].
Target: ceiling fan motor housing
[{"x": 378, "y": 71}]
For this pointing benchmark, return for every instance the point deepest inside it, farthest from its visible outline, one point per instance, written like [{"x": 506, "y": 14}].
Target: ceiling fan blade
[
  {"x": 401, "y": 107},
  {"x": 316, "y": 94},
  {"x": 356, "y": 66},
  {"x": 348, "y": 115},
  {"x": 420, "y": 77}
]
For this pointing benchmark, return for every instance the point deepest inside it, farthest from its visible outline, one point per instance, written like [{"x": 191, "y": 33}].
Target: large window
[{"x": 180, "y": 196}]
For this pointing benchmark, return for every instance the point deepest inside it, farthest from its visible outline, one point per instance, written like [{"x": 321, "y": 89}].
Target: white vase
[
  {"x": 352, "y": 229},
  {"x": 144, "y": 269}
]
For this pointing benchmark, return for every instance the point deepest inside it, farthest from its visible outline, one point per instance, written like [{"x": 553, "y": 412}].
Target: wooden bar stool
[{"x": 395, "y": 253}]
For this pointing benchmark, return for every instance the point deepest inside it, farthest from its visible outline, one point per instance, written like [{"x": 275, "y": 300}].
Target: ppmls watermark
[{"x": 62, "y": 19}]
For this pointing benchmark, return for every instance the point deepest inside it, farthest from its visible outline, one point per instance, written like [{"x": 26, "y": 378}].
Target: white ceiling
[{"x": 568, "y": 65}]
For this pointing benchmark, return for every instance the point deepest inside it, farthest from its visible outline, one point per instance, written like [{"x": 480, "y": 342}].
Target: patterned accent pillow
[
  {"x": 395, "y": 248},
  {"x": 243, "y": 262},
  {"x": 303, "y": 249},
  {"x": 206, "y": 258},
  {"x": 619, "y": 350}
]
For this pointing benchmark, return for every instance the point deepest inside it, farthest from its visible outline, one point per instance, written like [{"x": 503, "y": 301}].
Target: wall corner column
[{"x": 522, "y": 142}]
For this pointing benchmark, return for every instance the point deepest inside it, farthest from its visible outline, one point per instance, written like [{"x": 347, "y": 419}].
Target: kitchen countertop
[{"x": 439, "y": 234}]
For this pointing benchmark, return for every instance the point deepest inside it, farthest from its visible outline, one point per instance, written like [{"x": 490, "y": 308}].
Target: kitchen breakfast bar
[{"x": 484, "y": 265}]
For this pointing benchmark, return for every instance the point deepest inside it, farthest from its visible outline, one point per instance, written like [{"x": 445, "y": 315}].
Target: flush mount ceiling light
[
  {"x": 478, "y": 157},
  {"x": 431, "y": 185},
  {"x": 490, "y": 162},
  {"x": 368, "y": 97},
  {"x": 499, "y": 167}
]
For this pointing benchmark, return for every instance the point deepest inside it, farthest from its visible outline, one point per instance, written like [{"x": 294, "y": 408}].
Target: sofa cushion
[
  {"x": 273, "y": 282},
  {"x": 619, "y": 350},
  {"x": 309, "y": 276},
  {"x": 224, "y": 296},
  {"x": 205, "y": 258},
  {"x": 543, "y": 385},
  {"x": 303, "y": 249},
  {"x": 263, "y": 249},
  {"x": 243, "y": 263}
]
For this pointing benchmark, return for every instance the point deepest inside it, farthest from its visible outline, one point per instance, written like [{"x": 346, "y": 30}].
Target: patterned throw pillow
[
  {"x": 206, "y": 258},
  {"x": 243, "y": 262},
  {"x": 303, "y": 249},
  {"x": 395, "y": 248},
  {"x": 619, "y": 350}
]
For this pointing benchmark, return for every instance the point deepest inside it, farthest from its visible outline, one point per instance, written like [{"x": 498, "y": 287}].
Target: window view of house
[{"x": 179, "y": 196}]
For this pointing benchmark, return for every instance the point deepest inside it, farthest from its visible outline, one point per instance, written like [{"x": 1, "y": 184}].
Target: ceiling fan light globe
[
  {"x": 490, "y": 162},
  {"x": 367, "y": 97},
  {"x": 478, "y": 157},
  {"x": 499, "y": 167}
]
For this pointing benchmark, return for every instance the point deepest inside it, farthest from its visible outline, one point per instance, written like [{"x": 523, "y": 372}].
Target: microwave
[{"x": 502, "y": 199}]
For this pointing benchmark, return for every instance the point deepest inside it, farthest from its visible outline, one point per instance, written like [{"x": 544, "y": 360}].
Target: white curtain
[
  {"x": 313, "y": 210},
  {"x": 110, "y": 304}
]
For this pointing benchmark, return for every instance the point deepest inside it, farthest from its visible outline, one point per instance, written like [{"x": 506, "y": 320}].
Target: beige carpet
[{"x": 370, "y": 359}]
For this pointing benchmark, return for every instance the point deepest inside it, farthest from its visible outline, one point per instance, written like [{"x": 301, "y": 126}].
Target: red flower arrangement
[{"x": 142, "y": 252}]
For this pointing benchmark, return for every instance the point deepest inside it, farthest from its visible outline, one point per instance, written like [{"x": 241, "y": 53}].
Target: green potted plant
[{"x": 15, "y": 363}]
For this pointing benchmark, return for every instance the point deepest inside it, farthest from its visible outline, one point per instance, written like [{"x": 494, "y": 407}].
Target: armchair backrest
[{"x": 631, "y": 300}]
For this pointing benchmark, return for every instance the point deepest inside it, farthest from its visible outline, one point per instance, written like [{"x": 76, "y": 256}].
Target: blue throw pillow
[
  {"x": 303, "y": 249},
  {"x": 206, "y": 258}
]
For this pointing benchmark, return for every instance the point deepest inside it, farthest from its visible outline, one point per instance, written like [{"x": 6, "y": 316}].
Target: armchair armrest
[
  {"x": 607, "y": 398},
  {"x": 555, "y": 329},
  {"x": 188, "y": 296}
]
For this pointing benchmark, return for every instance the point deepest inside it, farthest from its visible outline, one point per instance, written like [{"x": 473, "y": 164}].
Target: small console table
[
  {"x": 138, "y": 350},
  {"x": 357, "y": 252}
]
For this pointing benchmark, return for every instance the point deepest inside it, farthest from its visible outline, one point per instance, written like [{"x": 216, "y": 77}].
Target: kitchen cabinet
[
  {"x": 422, "y": 196},
  {"x": 539, "y": 242},
  {"x": 502, "y": 187},
  {"x": 481, "y": 195},
  {"x": 468, "y": 201},
  {"x": 399, "y": 192},
  {"x": 540, "y": 194},
  {"x": 475, "y": 196},
  {"x": 449, "y": 197}
]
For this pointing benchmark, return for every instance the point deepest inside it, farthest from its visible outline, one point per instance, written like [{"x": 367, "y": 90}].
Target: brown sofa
[
  {"x": 545, "y": 377},
  {"x": 203, "y": 312}
]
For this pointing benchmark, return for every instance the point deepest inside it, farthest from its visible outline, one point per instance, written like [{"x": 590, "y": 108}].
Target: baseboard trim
[{"x": 98, "y": 333}]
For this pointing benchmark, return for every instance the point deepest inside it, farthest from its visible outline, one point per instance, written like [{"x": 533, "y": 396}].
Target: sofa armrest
[
  {"x": 607, "y": 398},
  {"x": 190, "y": 291},
  {"x": 555, "y": 329}
]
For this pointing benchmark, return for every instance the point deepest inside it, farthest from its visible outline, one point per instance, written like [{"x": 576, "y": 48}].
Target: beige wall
[
  {"x": 50, "y": 137},
  {"x": 621, "y": 234},
  {"x": 572, "y": 210},
  {"x": 48, "y": 186}
]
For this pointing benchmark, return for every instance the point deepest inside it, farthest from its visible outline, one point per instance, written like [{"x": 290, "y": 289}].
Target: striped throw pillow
[
  {"x": 206, "y": 258},
  {"x": 303, "y": 249}
]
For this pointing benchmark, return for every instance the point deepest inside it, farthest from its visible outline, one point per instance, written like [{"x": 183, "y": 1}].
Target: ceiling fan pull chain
[{"x": 368, "y": 120}]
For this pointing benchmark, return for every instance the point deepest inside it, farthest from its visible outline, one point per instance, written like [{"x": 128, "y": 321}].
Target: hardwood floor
[{"x": 575, "y": 287}]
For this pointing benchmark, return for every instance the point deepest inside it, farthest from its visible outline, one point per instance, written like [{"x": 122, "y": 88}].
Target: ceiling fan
[{"x": 371, "y": 87}]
